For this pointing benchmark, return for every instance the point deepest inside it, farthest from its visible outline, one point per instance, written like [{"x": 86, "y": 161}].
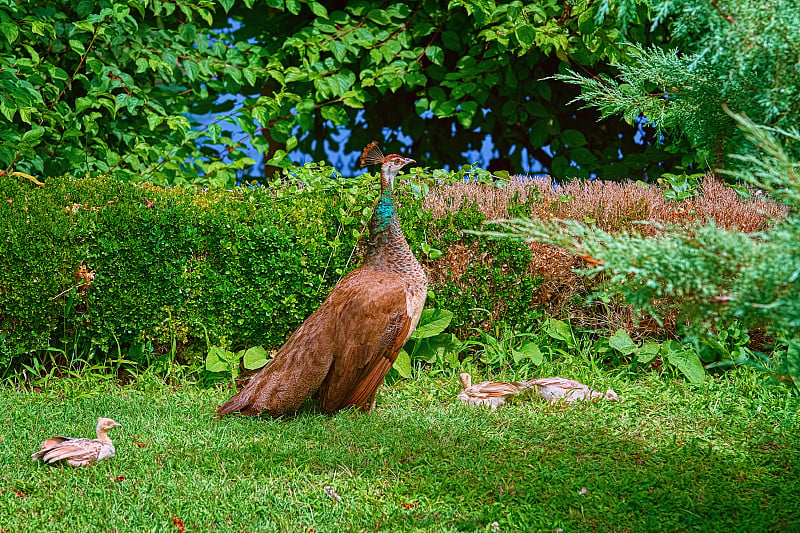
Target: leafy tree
[
  {"x": 102, "y": 86},
  {"x": 743, "y": 55},
  {"x": 117, "y": 85}
]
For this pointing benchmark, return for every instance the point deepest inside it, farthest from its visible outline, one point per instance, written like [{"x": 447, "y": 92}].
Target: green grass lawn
[{"x": 671, "y": 457}]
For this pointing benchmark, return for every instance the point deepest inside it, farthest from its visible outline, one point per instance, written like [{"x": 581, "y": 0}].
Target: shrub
[
  {"x": 612, "y": 207},
  {"x": 194, "y": 267},
  {"x": 102, "y": 265}
]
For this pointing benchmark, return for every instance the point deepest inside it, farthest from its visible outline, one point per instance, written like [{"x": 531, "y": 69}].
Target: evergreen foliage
[
  {"x": 718, "y": 277},
  {"x": 727, "y": 52}
]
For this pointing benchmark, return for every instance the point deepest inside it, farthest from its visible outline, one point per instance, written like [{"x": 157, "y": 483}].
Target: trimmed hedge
[{"x": 193, "y": 266}]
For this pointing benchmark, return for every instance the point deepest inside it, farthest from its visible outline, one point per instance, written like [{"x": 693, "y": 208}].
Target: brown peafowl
[{"x": 341, "y": 353}]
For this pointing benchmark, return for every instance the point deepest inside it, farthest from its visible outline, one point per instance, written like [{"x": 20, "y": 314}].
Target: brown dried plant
[{"x": 614, "y": 207}]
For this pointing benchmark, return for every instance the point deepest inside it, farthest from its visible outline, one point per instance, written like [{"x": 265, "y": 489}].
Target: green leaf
[
  {"x": 686, "y": 361},
  {"x": 318, "y": 9},
  {"x": 226, "y": 4},
  {"x": 33, "y": 135},
  {"x": 450, "y": 40},
  {"x": 9, "y": 31},
  {"x": 432, "y": 322},
  {"x": 526, "y": 35},
  {"x": 647, "y": 352},
  {"x": 293, "y": 6},
  {"x": 219, "y": 359},
  {"x": 558, "y": 330},
  {"x": 403, "y": 364},
  {"x": 538, "y": 133},
  {"x": 432, "y": 347},
  {"x": 529, "y": 350},
  {"x": 560, "y": 165},
  {"x": 379, "y": 16},
  {"x": 255, "y": 357},
  {"x": 467, "y": 112},
  {"x": 339, "y": 50},
  {"x": 622, "y": 342},
  {"x": 341, "y": 82},
  {"x": 435, "y": 54},
  {"x": 573, "y": 138}
]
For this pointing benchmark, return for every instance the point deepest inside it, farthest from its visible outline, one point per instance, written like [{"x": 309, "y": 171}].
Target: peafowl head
[{"x": 390, "y": 164}]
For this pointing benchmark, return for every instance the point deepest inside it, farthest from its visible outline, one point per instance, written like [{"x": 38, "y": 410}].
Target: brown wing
[
  {"x": 48, "y": 444},
  {"x": 564, "y": 383},
  {"x": 53, "y": 441},
  {"x": 339, "y": 346},
  {"x": 373, "y": 325},
  {"x": 295, "y": 373},
  {"x": 492, "y": 389},
  {"x": 76, "y": 449}
]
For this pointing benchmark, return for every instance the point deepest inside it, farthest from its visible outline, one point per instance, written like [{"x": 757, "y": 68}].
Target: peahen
[{"x": 341, "y": 353}]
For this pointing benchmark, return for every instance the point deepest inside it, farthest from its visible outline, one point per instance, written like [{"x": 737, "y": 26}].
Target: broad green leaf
[
  {"x": 339, "y": 50},
  {"x": 255, "y": 357},
  {"x": 226, "y": 4},
  {"x": 33, "y": 135},
  {"x": 686, "y": 361},
  {"x": 647, "y": 352},
  {"x": 450, "y": 40},
  {"x": 403, "y": 364},
  {"x": 559, "y": 330},
  {"x": 341, "y": 82},
  {"x": 379, "y": 16},
  {"x": 622, "y": 342},
  {"x": 573, "y": 138},
  {"x": 538, "y": 133},
  {"x": 529, "y": 350},
  {"x": 219, "y": 359},
  {"x": 560, "y": 165},
  {"x": 428, "y": 349},
  {"x": 526, "y": 34},
  {"x": 432, "y": 322},
  {"x": 318, "y": 9},
  {"x": 293, "y": 6}
]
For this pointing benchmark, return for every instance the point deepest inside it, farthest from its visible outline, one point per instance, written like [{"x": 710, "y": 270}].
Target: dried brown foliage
[{"x": 615, "y": 207}]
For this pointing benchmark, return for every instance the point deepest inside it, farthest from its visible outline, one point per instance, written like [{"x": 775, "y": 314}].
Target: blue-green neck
[
  {"x": 385, "y": 213},
  {"x": 385, "y": 234},
  {"x": 387, "y": 248}
]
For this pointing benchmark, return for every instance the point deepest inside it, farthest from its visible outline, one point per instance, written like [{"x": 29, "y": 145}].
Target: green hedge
[{"x": 193, "y": 266}]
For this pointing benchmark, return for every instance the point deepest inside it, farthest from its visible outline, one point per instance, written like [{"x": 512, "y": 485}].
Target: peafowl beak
[{"x": 406, "y": 176}]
